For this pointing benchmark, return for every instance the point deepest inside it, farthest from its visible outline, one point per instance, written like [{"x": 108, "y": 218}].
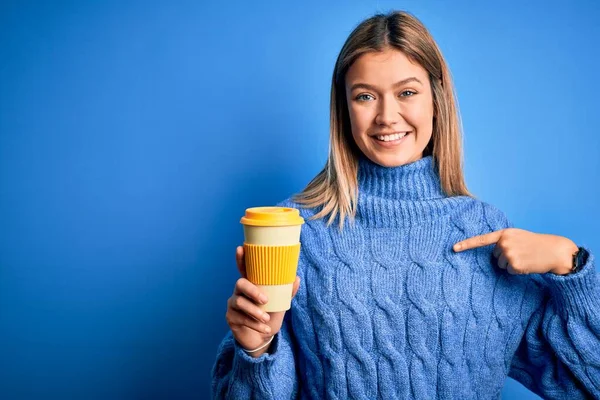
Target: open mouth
[{"x": 391, "y": 139}]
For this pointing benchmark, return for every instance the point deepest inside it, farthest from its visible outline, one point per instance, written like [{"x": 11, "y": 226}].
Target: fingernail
[
  {"x": 263, "y": 299},
  {"x": 267, "y": 329},
  {"x": 457, "y": 247},
  {"x": 266, "y": 317}
]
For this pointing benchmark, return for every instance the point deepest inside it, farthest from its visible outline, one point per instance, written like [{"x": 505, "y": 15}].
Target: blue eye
[{"x": 360, "y": 97}]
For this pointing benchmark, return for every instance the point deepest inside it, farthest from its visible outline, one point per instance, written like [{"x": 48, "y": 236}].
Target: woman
[{"x": 411, "y": 287}]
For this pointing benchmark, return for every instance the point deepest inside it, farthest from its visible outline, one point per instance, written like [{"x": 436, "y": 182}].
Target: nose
[{"x": 388, "y": 112}]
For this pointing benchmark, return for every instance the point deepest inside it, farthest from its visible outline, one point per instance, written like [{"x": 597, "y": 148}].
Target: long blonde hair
[{"x": 336, "y": 186}]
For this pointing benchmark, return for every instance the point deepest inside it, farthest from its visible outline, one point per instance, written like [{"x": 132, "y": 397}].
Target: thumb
[
  {"x": 296, "y": 286},
  {"x": 239, "y": 258}
]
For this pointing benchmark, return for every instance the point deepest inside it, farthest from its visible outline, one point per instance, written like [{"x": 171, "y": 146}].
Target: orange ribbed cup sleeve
[{"x": 271, "y": 265}]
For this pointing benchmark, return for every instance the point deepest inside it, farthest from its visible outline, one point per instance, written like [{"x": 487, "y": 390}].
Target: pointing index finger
[{"x": 479, "y": 241}]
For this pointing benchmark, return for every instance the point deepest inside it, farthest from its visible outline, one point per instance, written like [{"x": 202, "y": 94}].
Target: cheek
[
  {"x": 360, "y": 120},
  {"x": 423, "y": 119}
]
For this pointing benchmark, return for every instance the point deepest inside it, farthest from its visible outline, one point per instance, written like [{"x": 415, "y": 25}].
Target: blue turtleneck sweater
[{"x": 387, "y": 310}]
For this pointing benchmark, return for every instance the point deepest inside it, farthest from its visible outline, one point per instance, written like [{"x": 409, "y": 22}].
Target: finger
[
  {"x": 497, "y": 251},
  {"x": 502, "y": 261},
  {"x": 511, "y": 270},
  {"x": 244, "y": 287},
  {"x": 296, "y": 286},
  {"x": 239, "y": 319},
  {"x": 241, "y": 303},
  {"x": 239, "y": 259},
  {"x": 479, "y": 241}
]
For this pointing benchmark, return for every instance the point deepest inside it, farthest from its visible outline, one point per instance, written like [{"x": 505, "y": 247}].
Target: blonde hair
[{"x": 335, "y": 188}]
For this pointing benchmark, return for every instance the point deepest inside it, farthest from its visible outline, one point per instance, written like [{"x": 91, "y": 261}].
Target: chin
[{"x": 394, "y": 160}]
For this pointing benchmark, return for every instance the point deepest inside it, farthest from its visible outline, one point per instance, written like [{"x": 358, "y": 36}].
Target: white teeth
[{"x": 389, "y": 138}]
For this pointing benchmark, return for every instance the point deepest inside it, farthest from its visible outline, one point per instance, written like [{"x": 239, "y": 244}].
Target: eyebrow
[{"x": 371, "y": 87}]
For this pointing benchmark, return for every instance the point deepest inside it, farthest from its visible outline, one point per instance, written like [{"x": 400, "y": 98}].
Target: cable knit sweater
[{"x": 387, "y": 310}]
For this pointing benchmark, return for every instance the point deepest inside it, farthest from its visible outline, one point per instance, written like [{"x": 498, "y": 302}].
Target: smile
[
  {"x": 391, "y": 138},
  {"x": 390, "y": 141}
]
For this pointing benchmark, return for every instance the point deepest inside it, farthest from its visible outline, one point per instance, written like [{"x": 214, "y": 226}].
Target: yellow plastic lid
[{"x": 272, "y": 216}]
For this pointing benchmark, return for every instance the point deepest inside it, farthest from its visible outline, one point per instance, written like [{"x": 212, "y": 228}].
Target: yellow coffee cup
[{"x": 271, "y": 252}]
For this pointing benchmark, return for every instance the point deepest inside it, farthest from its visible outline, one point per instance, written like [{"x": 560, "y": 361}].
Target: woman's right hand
[{"x": 251, "y": 326}]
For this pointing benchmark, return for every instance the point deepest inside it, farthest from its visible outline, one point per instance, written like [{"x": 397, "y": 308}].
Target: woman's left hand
[{"x": 523, "y": 252}]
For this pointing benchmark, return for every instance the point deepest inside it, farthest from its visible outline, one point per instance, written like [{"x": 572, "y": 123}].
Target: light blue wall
[{"x": 134, "y": 134}]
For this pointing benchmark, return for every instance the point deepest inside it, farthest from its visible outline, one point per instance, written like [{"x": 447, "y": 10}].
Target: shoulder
[
  {"x": 494, "y": 217},
  {"x": 315, "y": 234},
  {"x": 480, "y": 216},
  {"x": 305, "y": 212}
]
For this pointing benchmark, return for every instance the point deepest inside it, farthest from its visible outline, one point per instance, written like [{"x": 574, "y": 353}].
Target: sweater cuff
[
  {"x": 245, "y": 358},
  {"x": 255, "y": 370},
  {"x": 576, "y": 294}
]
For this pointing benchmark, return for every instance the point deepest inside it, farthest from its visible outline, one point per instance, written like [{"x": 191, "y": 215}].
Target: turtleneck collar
[
  {"x": 418, "y": 180},
  {"x": 399, "y": 196}
]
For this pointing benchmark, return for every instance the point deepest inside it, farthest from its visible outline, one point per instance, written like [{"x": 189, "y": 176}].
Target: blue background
[{"x": 133, "y": 135}]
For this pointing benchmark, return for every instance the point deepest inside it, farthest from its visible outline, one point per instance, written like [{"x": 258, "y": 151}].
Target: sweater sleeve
[
  {"x": 237, "y": 375},
  {"x": 559, "y": 354}
]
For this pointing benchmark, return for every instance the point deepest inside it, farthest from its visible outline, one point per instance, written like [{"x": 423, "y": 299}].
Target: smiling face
[{"x": 391, "y": 107}]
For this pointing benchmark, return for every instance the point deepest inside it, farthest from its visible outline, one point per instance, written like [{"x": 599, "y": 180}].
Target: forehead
[{"x": 384, "y": 68}]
